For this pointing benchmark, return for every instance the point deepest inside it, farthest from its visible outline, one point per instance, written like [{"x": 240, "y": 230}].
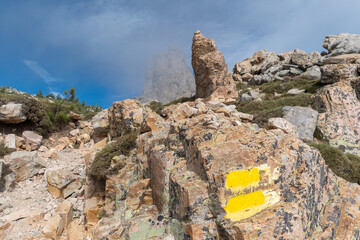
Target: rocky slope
[
  {"x": 235, "y": 163},
  {"x": 168, "y": 77}
]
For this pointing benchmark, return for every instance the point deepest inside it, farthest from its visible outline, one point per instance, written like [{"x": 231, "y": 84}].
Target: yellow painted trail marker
[{"x": 246, "y": 205}]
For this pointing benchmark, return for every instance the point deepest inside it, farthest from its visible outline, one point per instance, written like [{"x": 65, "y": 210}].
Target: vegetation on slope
[
  {"x": 272, "y": 105},
  {"x": 4, "y": 150},
  {"x": 122, "y": 146},
  {"x": 344, "y": 165},
  {"x": 47, "y": 114},
  {"x": 158, "y": 106}
]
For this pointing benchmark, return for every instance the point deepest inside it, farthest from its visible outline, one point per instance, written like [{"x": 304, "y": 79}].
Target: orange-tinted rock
[
  {"x": 338, "y": 121},
  {"x": 208, "y": 64},
  {"x": 131, "y": 116}
]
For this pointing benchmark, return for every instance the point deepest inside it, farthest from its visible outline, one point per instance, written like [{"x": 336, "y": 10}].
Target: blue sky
[{"x": 101, "y": 46}]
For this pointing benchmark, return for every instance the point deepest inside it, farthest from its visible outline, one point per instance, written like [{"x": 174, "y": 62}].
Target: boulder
[
  {"x": 130, "y": 116},
  {"x": 343, "y": 43},
  {"x": 10, "y": 141},
  {"x": 303, "y": 119},
  {"x": 32, "y": 139},
  {"x": 282, "y": 124},
  {"x": 100, "y": 123},
  {"x": 342, "y": 59},
  {"x": 55, "y": 226},
  {"x": 250, "y": 95},
  {"x": 208, "y": 64},
  {"x": 295, "y": 91},
  {"x": 303, "y": 60},
  {"x": 75, "y": 116},
  {"x": 312, "y": 73},
  {"x": 12, "y": 113},
  {"x": 24, "y": 164},
  {"x": 224, "y": 94},
  {"x": 57, "y": 180},
  {"x": 338, "y": 118},
  {"x": 332, "y": 73}
]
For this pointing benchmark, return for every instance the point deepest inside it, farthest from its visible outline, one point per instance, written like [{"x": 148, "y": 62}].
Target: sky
[{"x": 101, "y": 47}]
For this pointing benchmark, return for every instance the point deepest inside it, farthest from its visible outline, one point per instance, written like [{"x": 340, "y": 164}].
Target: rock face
[
  {"x": 24, "y": 164},
  {"x": 12, "y": 113},
  {"x": 10, "y": 141},
  {"x": 208, "y": 174},
  {"x": 303, "y": 119},
  {"x": 168, "y": 78},
  {"x": 32, "y": 139},
  {"x": 339, "y": 121},
  {"x": 209, "y": 65},
  {"x": 266, "y": 66},
  {"x": 343, "y": 43},
  {"x": 131, "y": 116},
  {"x": 100, "y": 123}
]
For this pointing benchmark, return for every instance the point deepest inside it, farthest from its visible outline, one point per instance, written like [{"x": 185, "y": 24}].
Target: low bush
[
  {"x": 344, "y": 165},
  {"x": 158, "y": 106},
  {"x": 4, "y": 150},
  {"x": 100, "y": 167}
]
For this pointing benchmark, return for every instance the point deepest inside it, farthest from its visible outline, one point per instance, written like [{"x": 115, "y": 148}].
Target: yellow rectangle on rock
[
  {"x": 246, "y": 201},
  {"x": 238, "y": 180}
]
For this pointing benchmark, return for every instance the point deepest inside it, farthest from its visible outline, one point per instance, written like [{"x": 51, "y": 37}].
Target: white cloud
[{"x": 40, "y": 71}]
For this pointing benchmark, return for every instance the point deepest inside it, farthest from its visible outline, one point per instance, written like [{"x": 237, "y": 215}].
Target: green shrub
[
  {"x": 344, "y": 165},
  {"x": 100, "y": 167},
  {"x": 263, "y": 110},
  {"x": 4, "y": 150},
  {"x": 62, "y": 118},
  {"x": 156, "y": 106}
]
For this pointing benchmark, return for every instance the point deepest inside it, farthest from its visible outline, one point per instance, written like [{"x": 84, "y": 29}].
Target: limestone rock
[
  {"x": 10, "y": 141},
  {"x": 295, "y": 91},
  {"x": 56, "y": 224},
  {"x": 343, "y": 43},
  {"x": 32, "y": 139},
  {"x": 130, "y": 116},
  {"x": 332, "y": 73},
  {"x": 304, "y": 60},
  {"x": 75, "y": 116},
  {"x": 338, "y": 119},
  {"x": 312, "y": 73},
  {"x": 168, "y": 77},
  {"x": 303, "y": 119},
  {"x": 342, "y": 59},
  {"x": 224, "y": 94},
  {"x": 208, "y": 64},
  {"x": 100, "y": 123},
  {"x": 281, "y": 123},
  {"x": 251, "y": 95},
  {"x": 12, "y": 113},
  {"x": 57, "y": 180},
  {"x": 24, "y": 164}
]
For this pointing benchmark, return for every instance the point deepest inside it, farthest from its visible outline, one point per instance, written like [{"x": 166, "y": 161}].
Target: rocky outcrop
[
  {"x": 32, "y": 140},
  {"x": 338, "y": 121},
  {"x": 303, "y": 119},
  {"x": 209, "y": 65},
  {"x": 24, "y": 164},
  {"x": 210, "y": 174},
  {"x": 168, "y": 77},
  {"x": 266, "y": 66},
  {"x": 131, "y": 116},
  {"x": 100, "y": 123},
  {"x": 12, "y": 113},
  {"x": 343, "y": 43}
]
